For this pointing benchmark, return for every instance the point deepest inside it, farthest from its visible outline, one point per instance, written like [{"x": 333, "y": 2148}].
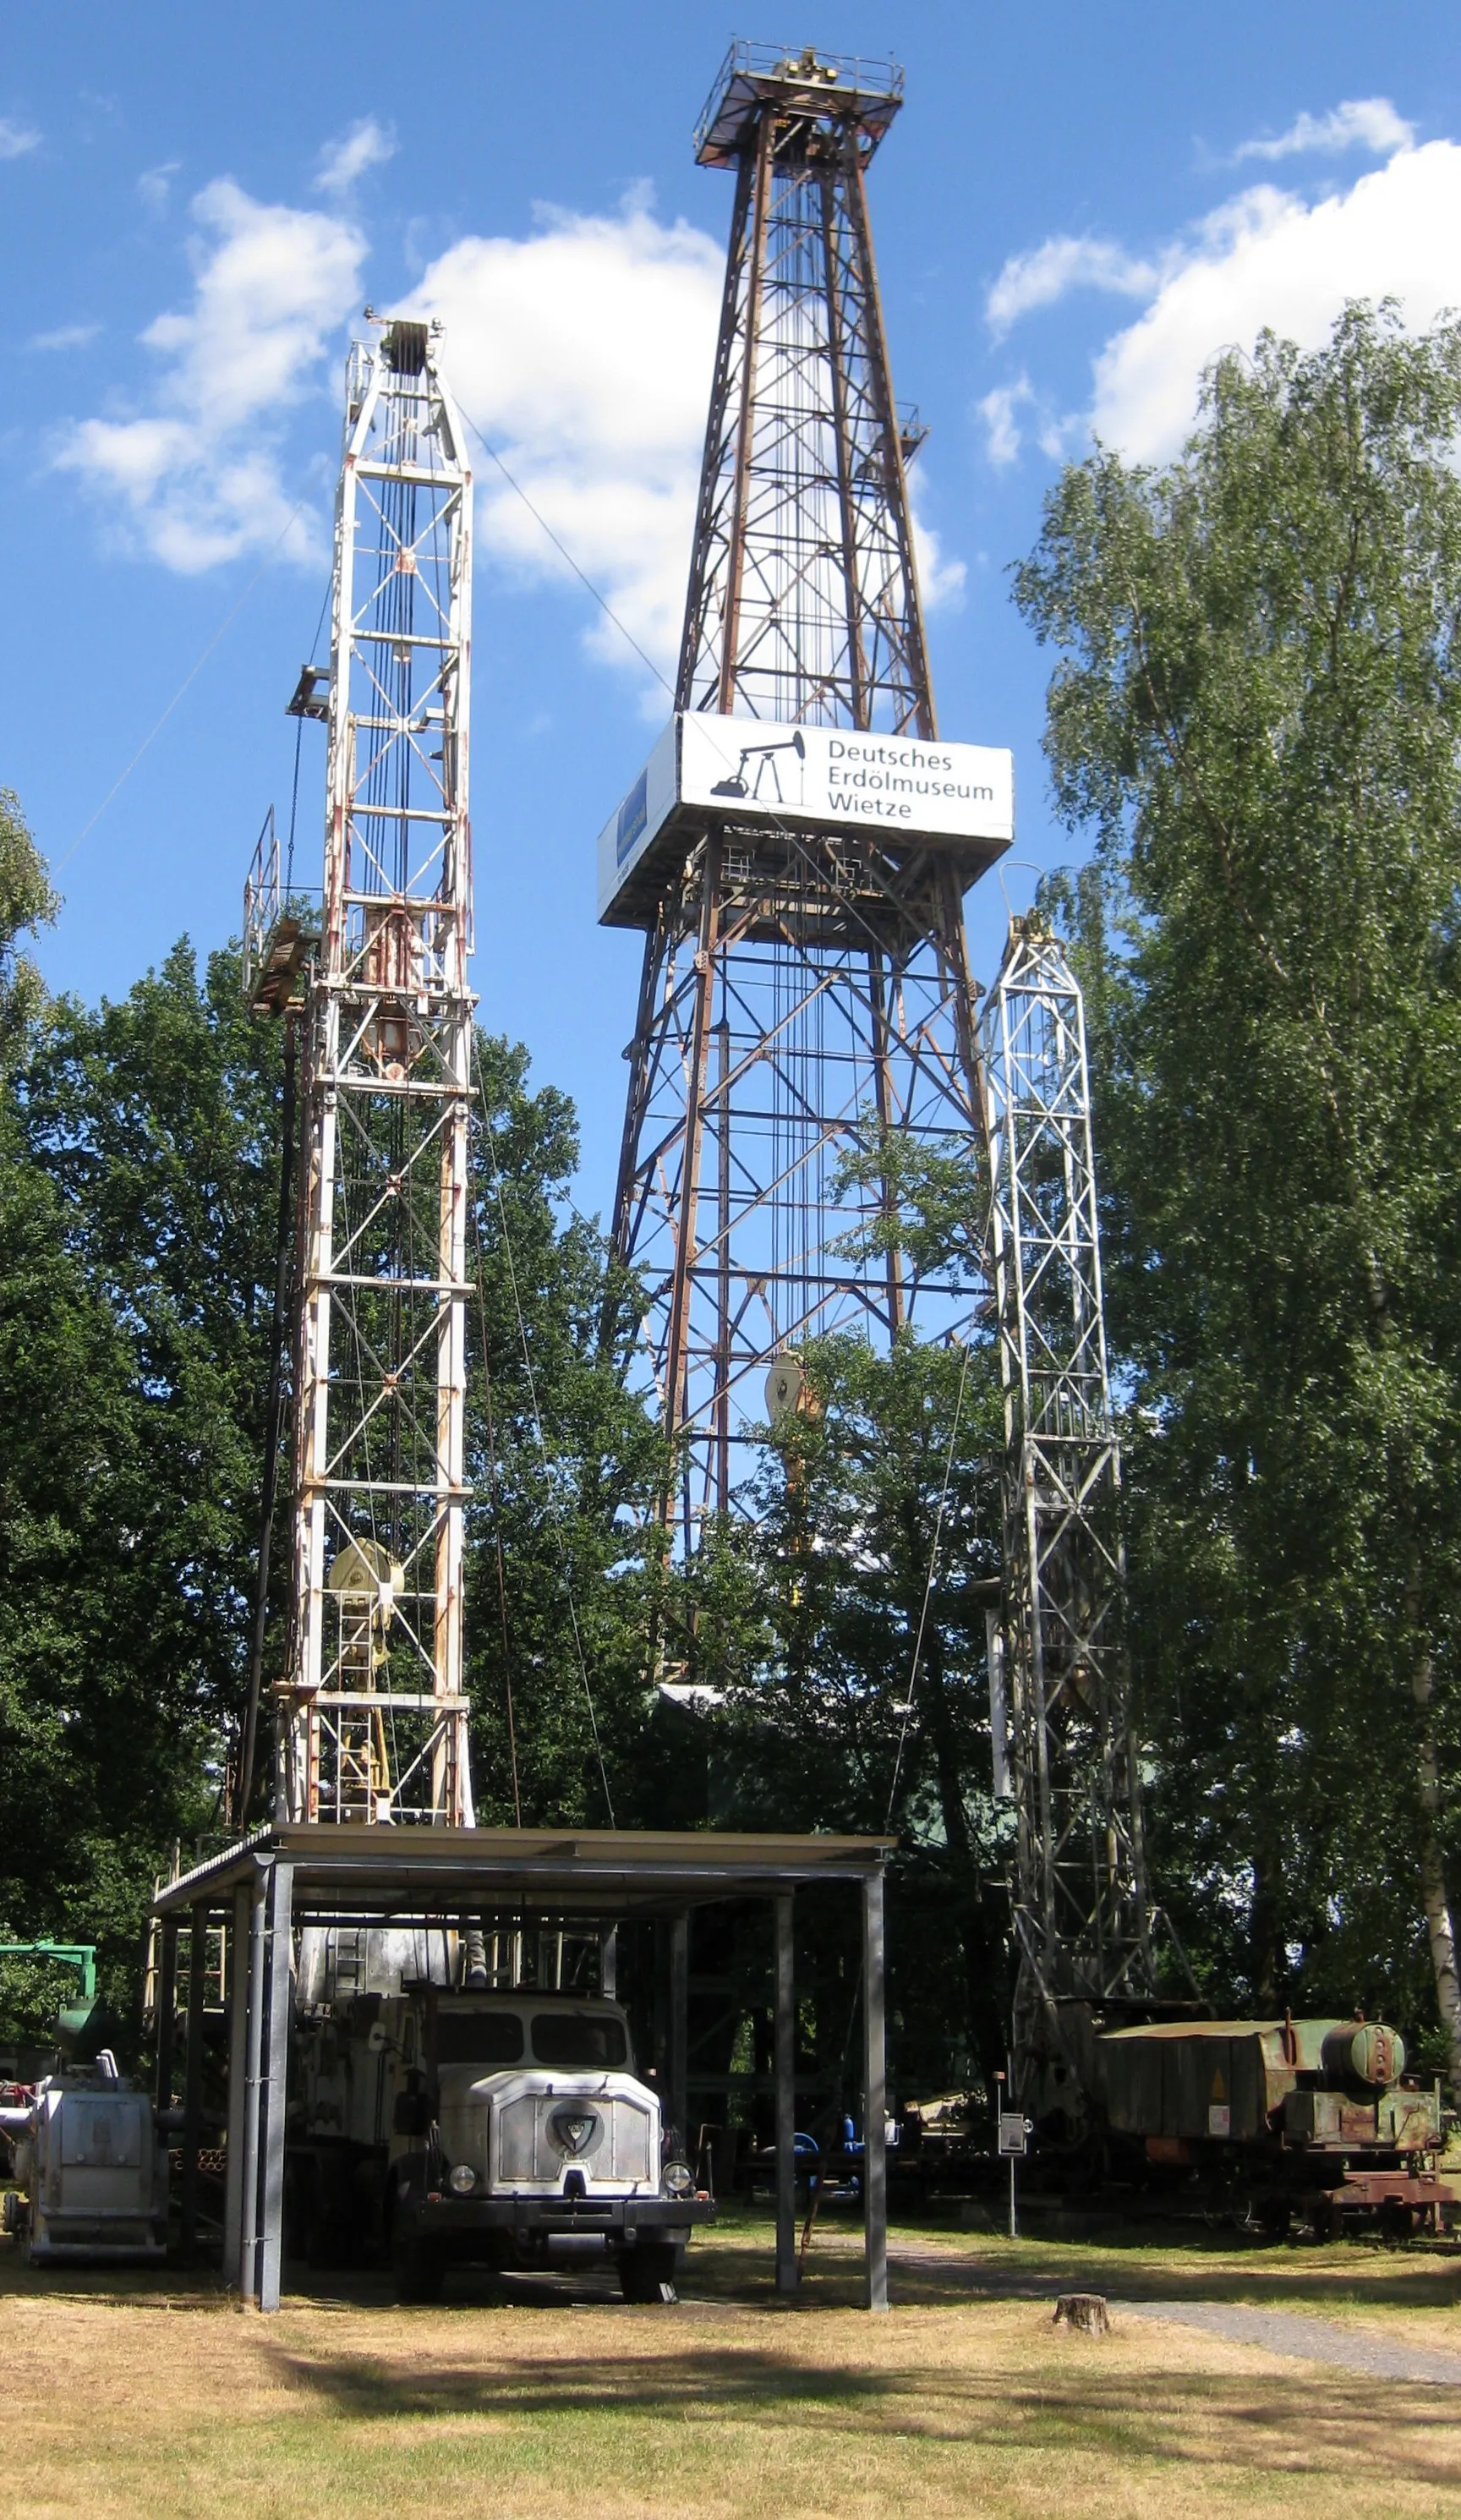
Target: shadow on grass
[
  {"x": 369, "y": 2386},
  {"x": 1281, "y": 2425},
  {"x": 930, "y": 2269}
]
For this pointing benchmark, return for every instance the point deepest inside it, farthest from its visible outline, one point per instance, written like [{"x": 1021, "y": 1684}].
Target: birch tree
[{"x": 1254, "y": 713}]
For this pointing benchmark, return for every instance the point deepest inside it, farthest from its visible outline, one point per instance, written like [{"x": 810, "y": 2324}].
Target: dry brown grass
[{"x": 118, "y": 2398}]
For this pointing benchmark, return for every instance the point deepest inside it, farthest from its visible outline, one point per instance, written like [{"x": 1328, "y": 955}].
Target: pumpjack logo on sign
[
  {"x": 758, "y": 777},
  {"x": 707, "y": 770}
]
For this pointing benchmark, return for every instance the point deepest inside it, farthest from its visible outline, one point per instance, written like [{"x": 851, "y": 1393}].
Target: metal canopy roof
[{"x": 386, "y": 1872}]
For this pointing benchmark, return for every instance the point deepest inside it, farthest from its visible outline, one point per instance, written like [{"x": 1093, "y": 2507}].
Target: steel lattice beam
[
  {"x": 373, "y": 1712},
  {"x": 1081, "y": 1919}
]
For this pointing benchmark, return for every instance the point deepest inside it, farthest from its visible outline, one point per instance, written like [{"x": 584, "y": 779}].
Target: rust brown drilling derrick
[{"x": 799, "y": 844}]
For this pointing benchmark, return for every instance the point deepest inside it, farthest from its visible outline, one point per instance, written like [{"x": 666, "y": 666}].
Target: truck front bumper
[{"x": 531, "y": 2224}]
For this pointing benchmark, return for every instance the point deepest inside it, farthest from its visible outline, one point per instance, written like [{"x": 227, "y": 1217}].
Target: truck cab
[{"x": 505, "y": 2130}]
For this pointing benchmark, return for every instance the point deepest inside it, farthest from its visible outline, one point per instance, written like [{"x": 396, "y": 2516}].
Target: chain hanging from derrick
[
  {"x": 1057, "y": 1653},
  {"x": 372, "y": 1712},
  {"x": 806, "y": 997}
]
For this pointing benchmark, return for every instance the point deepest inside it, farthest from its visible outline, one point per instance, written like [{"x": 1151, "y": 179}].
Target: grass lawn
[{"x": 122, "y": 2394}]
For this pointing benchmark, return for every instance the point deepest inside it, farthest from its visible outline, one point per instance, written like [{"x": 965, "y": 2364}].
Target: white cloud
[
  {"x": 17, "y": 139},
  {"x": 941, "y": 581},
  {"x": 584, "y": 353},
  {"x": 343, "y": 161},
  {"x": 66, "y": 337},
  {"x": 155, "y": 186},
  {"x": 1049, "y": 271},
  {"x": 195, "y": 477},
  {"x": 1363, "y": 122},
  {"x": 997, "y": 411},
  {"x": 1013, "y": 412},
  {"x": 1268, "y": 258}
]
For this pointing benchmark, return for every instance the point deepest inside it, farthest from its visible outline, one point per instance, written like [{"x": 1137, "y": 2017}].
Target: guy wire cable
[
  {"x": 564, "y": 553},
  {"x": 188, "y": 678}
]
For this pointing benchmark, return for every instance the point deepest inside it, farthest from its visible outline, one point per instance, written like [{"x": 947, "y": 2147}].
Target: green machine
[{"x": 74, "y": 2020}]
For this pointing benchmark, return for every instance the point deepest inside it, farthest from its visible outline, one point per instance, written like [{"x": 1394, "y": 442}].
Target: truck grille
[{"x": 532, "y": 2150}]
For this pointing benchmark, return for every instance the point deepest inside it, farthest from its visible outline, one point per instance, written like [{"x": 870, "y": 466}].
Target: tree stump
[{"x": 1084, "y": 2310}]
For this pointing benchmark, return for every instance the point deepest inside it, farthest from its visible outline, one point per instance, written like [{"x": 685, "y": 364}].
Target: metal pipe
[
  {"x": 736, "y": 557},
  {"x": 880, "y": 388},
  {"x": 788, "y": 2273},
  {"x": 166, "y": 2026},
  {"x": 679, "y": 2029},
  {"x": 874, "y": 2097},
  {"x": 193, "y": 2061},
  {"x": 721, "y": 1124},
  {"x": 675, "y": 1404}
]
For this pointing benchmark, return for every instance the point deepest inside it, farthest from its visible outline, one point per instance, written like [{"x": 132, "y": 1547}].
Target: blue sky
[{"x": 1077, "y": 207}]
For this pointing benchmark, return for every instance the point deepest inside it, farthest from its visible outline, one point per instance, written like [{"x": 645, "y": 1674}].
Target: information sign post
[{"x": 1013, "y": 2131}]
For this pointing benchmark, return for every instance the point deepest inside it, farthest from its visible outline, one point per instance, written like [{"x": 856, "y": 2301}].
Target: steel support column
[
  {"x": 238, "y": 2081},
  {"x": 679, "y": 2060},
  {"x": 192, "y": 2066},
  {"x": 253, "y": 2060},
  {"x": 787, "y": 2272},
  {"x": 168, "y": 2009},
  {"x": 608, "y": 1964},
  {"x": 272, "y": 2086},
  {"x": 874, "y": 2097}
]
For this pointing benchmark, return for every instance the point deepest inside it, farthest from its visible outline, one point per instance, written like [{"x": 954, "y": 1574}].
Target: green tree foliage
[
  {"x": 138, "y": 1195},
  {"x": 565, "y": 1464},
  {"x": 1257, "y": 712},
  {"x": 27, "y": 901},
  {"x": 877, "y": 1541},
  {"x": 139, "y": 1183},
  {"x": 138, "y": 1199},
  {"x": 139, "y": 1178}
]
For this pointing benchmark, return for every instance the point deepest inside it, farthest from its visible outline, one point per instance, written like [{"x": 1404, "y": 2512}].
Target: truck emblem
[{"x": 573, "y": 2130}]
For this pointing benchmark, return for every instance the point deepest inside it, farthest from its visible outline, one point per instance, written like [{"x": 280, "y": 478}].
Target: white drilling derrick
[
  {"x": 1058, "y": 1658},
  {"x": 373, "y": 1710}
]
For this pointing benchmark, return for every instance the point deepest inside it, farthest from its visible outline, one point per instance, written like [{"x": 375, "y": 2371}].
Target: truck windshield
[
  {"x": 478, "y": 2039},
  {"x": 586, "y": 2038}
]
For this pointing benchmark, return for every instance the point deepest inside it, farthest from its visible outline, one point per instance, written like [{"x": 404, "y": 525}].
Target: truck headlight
[
  {"x": 678, "y": 2180},
  {"x": 461, "y": 2179}
]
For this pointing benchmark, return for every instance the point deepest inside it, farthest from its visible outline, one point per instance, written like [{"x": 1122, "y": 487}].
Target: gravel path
[
  {"x": 1315, "y": 2340},
  {"x": 1280, "y": 2331}
]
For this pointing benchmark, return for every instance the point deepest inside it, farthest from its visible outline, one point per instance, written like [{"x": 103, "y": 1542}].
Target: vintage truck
[{"x": 442, "y": 2126}]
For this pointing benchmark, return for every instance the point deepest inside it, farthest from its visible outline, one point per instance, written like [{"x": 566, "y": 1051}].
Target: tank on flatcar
[{"x": 1307, "y": 2116}]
